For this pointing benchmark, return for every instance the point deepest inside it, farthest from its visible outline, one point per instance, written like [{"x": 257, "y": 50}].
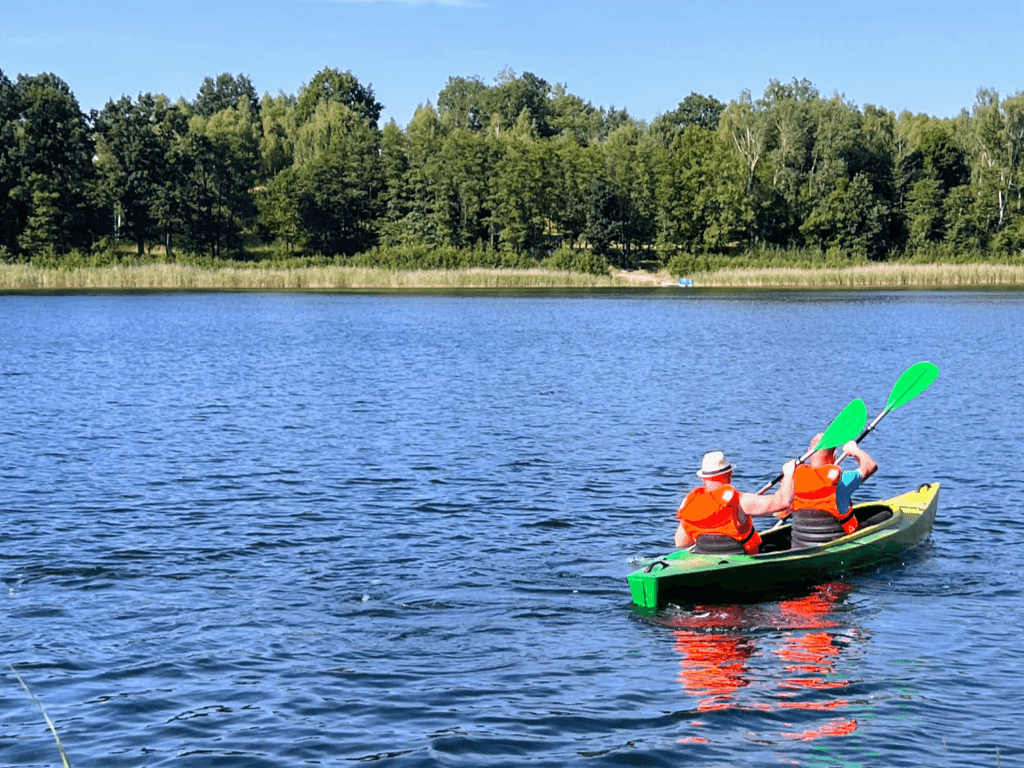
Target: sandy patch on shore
[{"x": 641, "y": 277}]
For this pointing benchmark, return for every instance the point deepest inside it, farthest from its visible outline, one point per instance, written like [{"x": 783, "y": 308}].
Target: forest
[{"x": 509, "y": 173}]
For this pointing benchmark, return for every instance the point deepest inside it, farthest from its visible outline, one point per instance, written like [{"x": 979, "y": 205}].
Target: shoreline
[{"x": 26, "y": 278}]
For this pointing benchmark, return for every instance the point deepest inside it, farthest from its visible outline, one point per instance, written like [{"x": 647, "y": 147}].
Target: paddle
[
  {"x": 848, "y": 423},
  {"x": 915, "y": 380}
]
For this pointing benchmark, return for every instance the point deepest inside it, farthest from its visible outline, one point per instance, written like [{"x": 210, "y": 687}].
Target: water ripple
[{"x": 298, "y": 529}]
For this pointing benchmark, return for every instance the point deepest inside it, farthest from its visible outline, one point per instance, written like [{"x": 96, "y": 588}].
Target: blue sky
[{"x": 644, "y": 55}]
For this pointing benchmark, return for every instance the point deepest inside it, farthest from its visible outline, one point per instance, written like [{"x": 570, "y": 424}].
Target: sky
[{"x": 642, "y": 55}]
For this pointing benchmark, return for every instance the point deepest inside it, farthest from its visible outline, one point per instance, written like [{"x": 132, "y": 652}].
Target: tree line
[{"x": 508, "y": 172}]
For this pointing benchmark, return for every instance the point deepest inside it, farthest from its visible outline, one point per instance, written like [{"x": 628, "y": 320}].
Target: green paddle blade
[
  {"x": 915, "y": 380},
  {"x": 845, "y": 427}
]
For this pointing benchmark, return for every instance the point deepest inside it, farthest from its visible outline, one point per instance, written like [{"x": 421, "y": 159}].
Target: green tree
[
  {"x": 966, "y": 228},
  {"x": 171, "y": 204},
  {"x": 394, "y": 164},
  {"x": 700, "y": 189},
  {"x": 850, "y": 218},
  {"x": 784, "y": 200},
  {"x": 924, "y": 213},
  {"x": 41, "y": 233},
  {"x": 278, "y": 206},
  {"x": 462, "y": 104},
  {"x": 280, "y": 126},
  {"x": 874, "y": 159},
  {"x": 332, "y": 86},
  {"x": 998, "y": 144},
  {"x": 836, "y": 125},
  {"x": 604, "y": 215},
  {"x": 226, "y": 92},
  {"x": 907, "y": 157},
  {"x": 574, "y": 170},
  {"x": 55, "y": 194},
  {"x": 339, "y": 179},
  {"x": 222, "y": 153},
  {"x": 942, "y": 157},
  {"x": 696, "y": 109},
  {"x": 521, "y": 189},
  {"x": 746, "y": 125},
  {"x": 850, "y": 184},
  {"x": 572, "y": 116},
  {"x": 928, "y": 162},
  {"x": 467, "y": 163},
  {"x": 10, "y": 110},
  {"x": 514, "y": 95},
  {"x": 611, "y": 120},
  {"x": 631, "y": 163},
  {"x": 874, "y": 148},
  {"x": 132, "y": 159},
  {"x": 418, "y": 213}
]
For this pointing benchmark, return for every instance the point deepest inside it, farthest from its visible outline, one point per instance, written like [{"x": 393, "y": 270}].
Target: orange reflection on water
[
  {"x": 713, "y": 667},
  {"x": 834, "y": 728},
  {"x": 813, "y": 656},
  {"x": 716, "y": 646},
  {"x": 812, "y": 659}
]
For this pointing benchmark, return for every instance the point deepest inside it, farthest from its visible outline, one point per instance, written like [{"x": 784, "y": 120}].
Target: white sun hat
[{"x": 714, "y": 463}]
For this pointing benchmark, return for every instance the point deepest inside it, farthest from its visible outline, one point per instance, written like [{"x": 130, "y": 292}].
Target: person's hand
[
  {"x": 850, "y": 448},
  {"x": 789, "y": 468}
]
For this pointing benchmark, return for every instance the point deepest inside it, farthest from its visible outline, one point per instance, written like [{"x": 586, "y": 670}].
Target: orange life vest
[
  {"x": 718, "y": 511},
  {"x": 815, "y": 488}
]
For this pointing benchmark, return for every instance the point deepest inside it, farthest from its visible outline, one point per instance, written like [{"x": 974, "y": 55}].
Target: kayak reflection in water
[
  {"x": 716, "y": 517},
  {"x": 718, "y": 643},
  {"x": 811, "y": 658},
  {"x": 714, "y": 664}
]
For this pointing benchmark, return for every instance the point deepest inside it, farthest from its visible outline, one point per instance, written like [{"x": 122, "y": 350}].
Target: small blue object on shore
[{"x": 685, "y": 282}]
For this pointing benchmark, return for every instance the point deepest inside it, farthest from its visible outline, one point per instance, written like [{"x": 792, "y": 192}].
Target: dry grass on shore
[
  {"x": 177, "y": 277},
  {"x": 868, "y": 276}
]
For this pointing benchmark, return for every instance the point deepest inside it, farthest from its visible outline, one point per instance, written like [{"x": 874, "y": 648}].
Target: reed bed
[
  {"x": 889, "y": 275},
  {"x": 257, "y": 277},
  {"x": 173, "y": 277}
]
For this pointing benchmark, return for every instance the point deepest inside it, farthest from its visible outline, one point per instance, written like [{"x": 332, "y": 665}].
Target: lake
[{"x": 294, "y": 529}]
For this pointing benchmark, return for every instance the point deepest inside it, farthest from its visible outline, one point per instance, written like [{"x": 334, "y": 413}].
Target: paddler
[
  {"x": 823, "y": 495},
  {"x": 716, "y": 517}
]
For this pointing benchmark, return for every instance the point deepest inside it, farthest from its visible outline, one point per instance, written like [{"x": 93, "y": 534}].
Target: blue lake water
[{"x": 322, "y": 529}]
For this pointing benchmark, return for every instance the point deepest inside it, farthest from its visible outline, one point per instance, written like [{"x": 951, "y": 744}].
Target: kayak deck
[{"x": 888, "y": 528}]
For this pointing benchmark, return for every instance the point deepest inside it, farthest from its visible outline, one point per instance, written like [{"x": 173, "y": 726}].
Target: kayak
[{"x": 886, "y": 529}]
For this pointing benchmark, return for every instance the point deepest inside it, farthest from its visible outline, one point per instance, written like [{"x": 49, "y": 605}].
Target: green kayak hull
[{"x": 686, "y": 578}]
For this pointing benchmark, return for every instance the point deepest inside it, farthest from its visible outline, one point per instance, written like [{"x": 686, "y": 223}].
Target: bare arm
[
  {"x": 683, "y": 539},
  {"x": 779, "y": 502},
  {"x": 865, "y": 463}
]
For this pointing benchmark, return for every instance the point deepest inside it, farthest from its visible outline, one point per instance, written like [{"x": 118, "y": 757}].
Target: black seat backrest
[{"x": 717, "y": 544}]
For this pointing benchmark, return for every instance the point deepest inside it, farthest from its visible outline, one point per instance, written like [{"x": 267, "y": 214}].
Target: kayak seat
[
  {"x": 872, "y": 514},
  {"x": 812, "y": 527},
  {"x": 717, "y": 544},
  {"x": 775, "y": 540}
]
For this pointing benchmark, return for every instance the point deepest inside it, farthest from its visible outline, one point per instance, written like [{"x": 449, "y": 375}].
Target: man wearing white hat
[{"x": 716, "y": 517}]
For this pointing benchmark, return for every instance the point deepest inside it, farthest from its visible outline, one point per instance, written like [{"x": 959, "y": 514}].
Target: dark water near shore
[{"x": 281, "y": 530}]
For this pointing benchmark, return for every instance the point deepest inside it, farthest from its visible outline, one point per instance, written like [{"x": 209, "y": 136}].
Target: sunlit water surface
[{"x": 289, "y": 529}]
